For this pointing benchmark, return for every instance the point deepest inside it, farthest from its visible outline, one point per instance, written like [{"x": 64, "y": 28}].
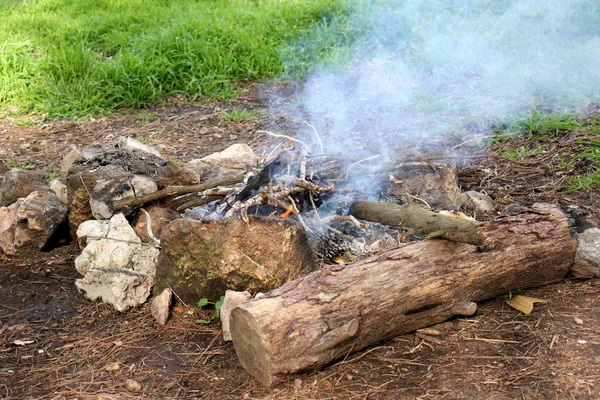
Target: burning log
[
  {"x": 321, "y": 317},
  {"x": 421, "y": 220}
]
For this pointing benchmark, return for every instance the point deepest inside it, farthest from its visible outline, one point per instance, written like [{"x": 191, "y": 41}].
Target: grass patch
[
  {"x": 585, "y": 182},
  {"x": 238, "y": 114},
  {"x": 522, "y": 152},
  {"x": 72, "y": 58},
  {"x": 538, "y": 126},
  {"x": 144, "y": 117},
  {"x": 13, "y": 164}
]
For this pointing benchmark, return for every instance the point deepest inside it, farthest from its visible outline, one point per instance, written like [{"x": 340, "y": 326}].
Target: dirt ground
[{"x": 54, "y": 344}]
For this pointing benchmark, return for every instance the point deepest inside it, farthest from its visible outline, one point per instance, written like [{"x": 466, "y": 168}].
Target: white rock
[
  {"x": 130, "y": 143},
  {"x": 122, "y": 288},
  {"x": 8, "y": 220},
  {"x": 116, "y": 251},
  {"x": 587, "y": 257},
  {"x": 481, "y": 203},
  {"x": 233, "y": 159},
  {"x": 160, "y": 306},
  {"x": 60, "y": 189},
  {"x": 231, "y": 301}
]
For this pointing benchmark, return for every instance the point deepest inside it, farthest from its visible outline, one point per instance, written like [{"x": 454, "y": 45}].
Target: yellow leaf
[{"x": 524, "y": 303}]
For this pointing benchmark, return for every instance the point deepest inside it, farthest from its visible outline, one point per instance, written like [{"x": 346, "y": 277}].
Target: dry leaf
[
  {"x": 524, "y": 303},
  {"x": 115, "y": 366}
]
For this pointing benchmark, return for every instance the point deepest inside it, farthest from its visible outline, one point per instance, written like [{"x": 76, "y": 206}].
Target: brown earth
[{"x": 87, "y": 350}]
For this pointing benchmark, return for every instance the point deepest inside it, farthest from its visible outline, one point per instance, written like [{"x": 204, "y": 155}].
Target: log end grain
[{"x": 251, "y": 346}]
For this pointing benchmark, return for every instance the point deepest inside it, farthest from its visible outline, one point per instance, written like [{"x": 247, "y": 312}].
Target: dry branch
[
  {"x": 317, "y": 319},
  {"x": 177, "y": 190},
  {"x": 421, "y": 220}
]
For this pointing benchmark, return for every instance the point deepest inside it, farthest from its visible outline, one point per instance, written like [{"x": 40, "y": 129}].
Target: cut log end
[{"x": 250, "y": 346}]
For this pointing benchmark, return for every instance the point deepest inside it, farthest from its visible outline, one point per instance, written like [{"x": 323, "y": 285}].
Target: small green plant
[
  {"x": 238, "y": 114},
  {"x": 13, "y": 164},
  {"x": 204, "y": 302},
  {"x": 522, "y": 152},
  {"x": 144, "y": 117},
  {"x": 585, "y": 182},
  {"x": 50, "y": 176}
]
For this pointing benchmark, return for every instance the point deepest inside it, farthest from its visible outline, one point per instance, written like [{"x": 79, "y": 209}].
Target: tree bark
[{"x": 321, "y": 317}]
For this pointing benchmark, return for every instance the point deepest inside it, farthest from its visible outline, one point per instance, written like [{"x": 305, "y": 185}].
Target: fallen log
[
  {"x": 421, "y": 220},
  {"x": 314, "y": 320}
]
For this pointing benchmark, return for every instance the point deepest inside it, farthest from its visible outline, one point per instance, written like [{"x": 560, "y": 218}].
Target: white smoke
[{"x": 437, "y": 67}]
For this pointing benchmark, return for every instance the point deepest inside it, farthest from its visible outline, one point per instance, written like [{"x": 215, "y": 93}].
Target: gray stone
[
  {"x": 122, "y": 288},
  {"x": 587, "y": 258},
  {"x": 30, "y": 222},
  {"x": 19, "y": 183},
  {"x": 233, "y": 160},
  {"x": 130, "y": 143},
  {"x": 160, "y": 306},
  {"x": 479, "y": 203},
  {"x": 107, "y": 191},
  {"x": 67, "y": 162},
  {"x": 231, "y": 301},
  {"x": 435, "y": 183},
  {"x": 60, "y": 190}
]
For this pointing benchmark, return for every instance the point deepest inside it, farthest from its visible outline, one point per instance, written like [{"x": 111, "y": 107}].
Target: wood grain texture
[{"x": 314, "y": 320}]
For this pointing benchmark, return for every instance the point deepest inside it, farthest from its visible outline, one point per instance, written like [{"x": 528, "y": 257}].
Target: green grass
[
  {"x": 144, "y": 117},
  {"x": 539, "y": 126},
  {"x": 78, "y": 57},
  {"x": 238, "y": 114},
  {"x": 13, "y": 164},
  {"x": 522, "y": 152}
]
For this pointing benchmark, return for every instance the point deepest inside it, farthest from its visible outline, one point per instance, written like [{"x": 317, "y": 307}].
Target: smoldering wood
[
  {"x": 314, "y": 320},
  {"x": 421, "y": 220}
]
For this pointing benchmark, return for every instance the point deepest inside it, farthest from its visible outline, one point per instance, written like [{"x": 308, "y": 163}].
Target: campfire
[{"x": 347, "y": 251}]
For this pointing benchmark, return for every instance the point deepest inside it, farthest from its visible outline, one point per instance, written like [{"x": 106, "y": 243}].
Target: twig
[
  {"x": 149, "y": 228},
  {"x": 277, "y": 135},
  {"x": 297, "y": 212},
  {"x": 177, "y": 190},
  {"x": 317, "y": 136},
  {"x": 360, "y": 162}
]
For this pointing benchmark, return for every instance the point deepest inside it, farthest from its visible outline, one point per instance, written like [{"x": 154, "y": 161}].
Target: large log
[{"x": 321, "y": 317}]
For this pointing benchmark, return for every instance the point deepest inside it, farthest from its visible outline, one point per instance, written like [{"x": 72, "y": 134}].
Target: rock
[
  {"x": 160, "y": 306},
  {"x": 233, "y": 160},
  {"x": 119, "y": 248},
  {"x": 122, "y": 288},
  {"x": 587, "y": 258},
  {"x": 159, "y": 216},
  {"x": 130, "y": 143},
  {"x": 479, "y": 203},
  {"x": 172, "y": 174},
  {"x": 115, "y": 164},
  {"x": 231, "y": 301},
  {"x": 68, "y": 160},
  {"x": 434, "y": 183},
  {"x": 19, "y": 183},
  {"x": 204, "y": 260},
  {"x": 80, "y": 184},
  {"x": 30, "y": 222},
  {"x": 384, "y": 243},
  {"x": 60, "y": 190},
  {"x": 110, "y": 190}
]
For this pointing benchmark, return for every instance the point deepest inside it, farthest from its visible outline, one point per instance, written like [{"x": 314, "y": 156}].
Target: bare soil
[{"x": 54, "y": 344}]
